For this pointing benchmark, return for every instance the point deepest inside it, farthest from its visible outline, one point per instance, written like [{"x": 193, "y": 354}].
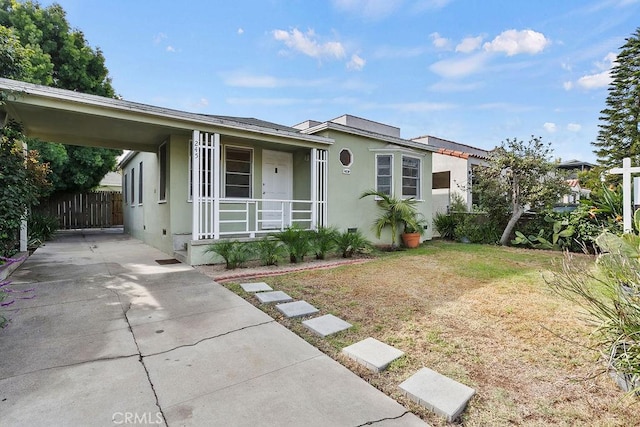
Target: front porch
[{"x": 227, "y": 175}]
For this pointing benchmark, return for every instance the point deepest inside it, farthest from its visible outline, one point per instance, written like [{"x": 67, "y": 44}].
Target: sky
[{"x": 472, "y": 71}]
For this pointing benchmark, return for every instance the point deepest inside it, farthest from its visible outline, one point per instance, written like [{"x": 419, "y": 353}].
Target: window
[
  {"x": 162, "y": 166},
  {"x": 410, "y": 177},
  {"x": 384, "y": 172},
  {"x": 133, "y": 186},
  {"x": 140, "y": 183},
  {"x": 346, "y": 157},
  {"x": 441, "y": 180},
  {"x": 126, "y": 190},
  {"x": 237, "y": 175}
]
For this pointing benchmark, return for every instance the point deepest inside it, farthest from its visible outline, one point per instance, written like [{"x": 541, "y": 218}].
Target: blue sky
[{"x": 472, "y": 71}]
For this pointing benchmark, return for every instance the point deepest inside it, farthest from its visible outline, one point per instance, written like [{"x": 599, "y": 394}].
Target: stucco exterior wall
[
  {"x": 346, "y": 184},
  {"x": 459, "y": 169}
]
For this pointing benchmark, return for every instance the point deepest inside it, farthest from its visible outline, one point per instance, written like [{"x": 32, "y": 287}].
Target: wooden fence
[{"x": 87, "y": 210}]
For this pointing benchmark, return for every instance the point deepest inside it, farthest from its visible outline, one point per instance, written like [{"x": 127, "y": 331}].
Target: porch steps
[{"x": 181, "y": 256}]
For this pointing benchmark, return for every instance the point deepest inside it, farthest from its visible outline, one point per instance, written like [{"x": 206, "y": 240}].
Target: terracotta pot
[{"x": 411, "y": 240}]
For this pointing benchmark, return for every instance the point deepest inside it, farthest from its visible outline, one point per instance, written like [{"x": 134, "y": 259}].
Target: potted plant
[
  {"x": 396, "y": 214},
  {"x": 413, "y": 229}
]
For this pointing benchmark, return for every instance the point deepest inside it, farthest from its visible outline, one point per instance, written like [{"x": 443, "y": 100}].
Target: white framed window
[
  {"x": 140, "y": 183},
  {"x": 162, "y": 172},
  {"x": 346, "y": 157},
  {"x": 411, "y": 170},
  {"x": 238, "y": 170},
  {"x": 384, "y": 173}
]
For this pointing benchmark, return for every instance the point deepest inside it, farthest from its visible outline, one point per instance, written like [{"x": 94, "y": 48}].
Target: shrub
[
  {"x": 269, "y": 251},
  {"x": 42, "y": 227},
  {"x": 445, "y": 224},
  {"x": 324, "y": 241},
  {"x": 350, "y": 243},
  {"x": 296, "y": 241},
  {"x": 477, "y": 228},
  {"x": 234, "y": 253},
  {"x": 611, "y": 296}
]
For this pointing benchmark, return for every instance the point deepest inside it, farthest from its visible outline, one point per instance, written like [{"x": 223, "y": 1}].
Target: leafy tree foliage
[
  {"x": 520, "y": 176},
  {"x": 37, "y": 45},
  {"x": 23, "y": 179},
  {"x": 619, "y": 134}
]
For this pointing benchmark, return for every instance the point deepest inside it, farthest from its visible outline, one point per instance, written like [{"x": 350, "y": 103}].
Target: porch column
[
  {"x": 314, "y": 189},
  {"x": 216, "y": 185},
  {"x": 23, "y": 224},
  {"x": 196, "y": 185}
]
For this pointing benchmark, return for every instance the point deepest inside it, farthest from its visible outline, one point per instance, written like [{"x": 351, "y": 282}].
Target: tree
[
  {"x": 619, "y": 134},
  {"x": 37, "y": 45},
  {"x": 23, "y": 179},
  {"x": 520, "y": 176}
]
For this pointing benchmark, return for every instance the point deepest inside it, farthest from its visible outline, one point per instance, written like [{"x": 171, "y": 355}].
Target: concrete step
[
  {"x": 373, "y": 354},
  {"x": 181, "y": 256}
]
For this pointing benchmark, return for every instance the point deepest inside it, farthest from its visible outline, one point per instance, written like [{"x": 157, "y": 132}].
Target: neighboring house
[
  {"x": 191, "y": 179},
  {"x": 573, "y": 168},
  {"x": 112, "y": 181},
  {"x": 453, "y": 166}
]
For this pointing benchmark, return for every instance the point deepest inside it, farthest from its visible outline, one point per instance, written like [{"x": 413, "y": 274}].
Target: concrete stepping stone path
[
  {"x": 255, "y": 287},
  {"x": 326, "y": 325},
  {"x": 373, "y": 354},
  {"x": 437, "y": 393},
  {"x": 274, "y": 296},
  {"x": 296, "y": 309}
]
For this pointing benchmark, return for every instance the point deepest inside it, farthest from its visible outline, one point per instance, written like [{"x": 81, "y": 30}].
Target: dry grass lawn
[{"x": 481, "y": 315}]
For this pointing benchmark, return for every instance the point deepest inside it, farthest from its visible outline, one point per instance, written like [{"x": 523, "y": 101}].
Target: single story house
[
  {"x": 191, "y": 179},
  {"x": 453, "y": 166}
]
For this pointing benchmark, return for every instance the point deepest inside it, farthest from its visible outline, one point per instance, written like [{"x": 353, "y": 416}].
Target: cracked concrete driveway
[{"x": 114, "y": 338}]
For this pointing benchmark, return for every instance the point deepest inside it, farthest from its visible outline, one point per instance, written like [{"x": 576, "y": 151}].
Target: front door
[{"x": 277, "y": 184}]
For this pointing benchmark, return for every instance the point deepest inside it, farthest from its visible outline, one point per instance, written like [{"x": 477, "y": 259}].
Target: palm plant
[{"x": 394, "y": 213}]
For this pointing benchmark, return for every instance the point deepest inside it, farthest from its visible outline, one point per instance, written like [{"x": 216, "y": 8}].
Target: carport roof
[{"x": 69, "y": 117}]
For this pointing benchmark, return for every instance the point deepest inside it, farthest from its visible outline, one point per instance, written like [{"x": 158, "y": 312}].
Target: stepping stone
[
  {"x": 274, "y": 296},
  {"x": 255, "y": 287},
  {"x": 296, "y": 309},
  {"x": 326, "y": 325},
  {"x": 437, "y": 393},
  {"x": 373, "y": 354}
]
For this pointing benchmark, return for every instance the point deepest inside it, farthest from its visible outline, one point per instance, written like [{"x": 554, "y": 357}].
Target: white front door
[{"x": 277, "y": 183}]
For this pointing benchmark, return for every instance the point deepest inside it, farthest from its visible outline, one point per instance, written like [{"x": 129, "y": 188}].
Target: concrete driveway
[{"x": 114, "y": 338}]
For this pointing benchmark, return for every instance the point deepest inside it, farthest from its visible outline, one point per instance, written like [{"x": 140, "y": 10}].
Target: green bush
[
  {"x": 41, "y": 227},
  {"x": 234, "y": 253},
  {"x": 324, "y": 241},
  {"x": 350, "y": 243},
  {"x": 269, "y": 251},
  {"x": 477, "y": 228},
  {"x": 445, "y": 224},
  {"x": 296, "y": 241}
]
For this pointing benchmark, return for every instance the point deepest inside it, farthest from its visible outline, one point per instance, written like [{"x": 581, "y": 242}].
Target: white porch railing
[{"x": 254, "y": 217}]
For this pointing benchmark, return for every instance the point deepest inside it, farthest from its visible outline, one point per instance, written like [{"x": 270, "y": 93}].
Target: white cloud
[
  {"x": 595, "y": 81},
  {"x": 550, "y": 127},
  {"x": 202, "y": 102},
  {"x": 513, "y": 42},
  {"x": 567, "y": 85},
  {"x": 448, "y": 86},
  {"x": 469, "y": 44},
  {"x": 370, "y": 9},
  {"x": 574, "y": 127},
  {"x": 439, "y": 41},
  {"x": 356, "y": 63},
  {"x": 171, "y": 49},
  {"x": 159, "y": 38},
  {"x": 454, "y": 68},
  {"x": 240, "y": 31},
  {"x": 307, "y": 44},
  {"x": 422, "y": 5},
  {"x": 243, "y": 79}
]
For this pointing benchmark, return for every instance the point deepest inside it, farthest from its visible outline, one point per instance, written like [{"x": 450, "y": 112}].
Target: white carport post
[
  {"x": 195, "y": 185},
  {"x": 216, "y": 185},
  {"x": 23, "y": 224}
]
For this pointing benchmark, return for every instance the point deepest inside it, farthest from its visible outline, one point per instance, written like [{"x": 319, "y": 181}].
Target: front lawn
[{"x": 481, "y": 315}]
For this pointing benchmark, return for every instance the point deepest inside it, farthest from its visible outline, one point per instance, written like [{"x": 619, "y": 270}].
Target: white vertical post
[
  {"x": 626, "y": 170},
  {"x": 314, "y": 188},
  {"x": 23, "y": 224},
  {"x": 195, "y": 185},
  {"x": 215, "y": 181},
  {"x": 636, "y": 191}
]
